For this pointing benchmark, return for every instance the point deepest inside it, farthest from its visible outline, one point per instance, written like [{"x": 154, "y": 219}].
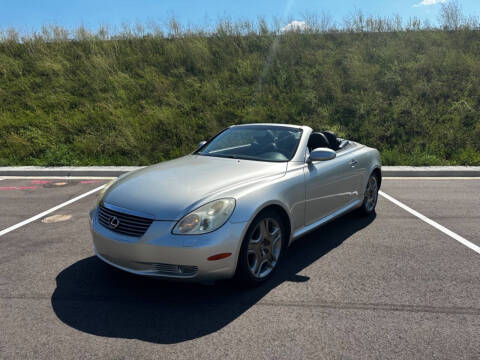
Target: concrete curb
[
  {"x": 114, "y": 171},
  {"x": 431, "y": 171}
]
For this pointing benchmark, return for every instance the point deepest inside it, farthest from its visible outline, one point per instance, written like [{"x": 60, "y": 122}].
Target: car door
[{"x": 330, "y": 185}]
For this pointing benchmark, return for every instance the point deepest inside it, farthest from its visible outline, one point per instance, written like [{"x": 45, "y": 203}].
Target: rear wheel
[
  {"x": 262, "y": 249},
  {"x": 371, "y": 196}
]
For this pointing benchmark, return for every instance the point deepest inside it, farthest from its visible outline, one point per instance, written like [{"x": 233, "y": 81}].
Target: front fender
[
  {"x": 287, "y": 192},
  {"x": 375, "y": 164}
]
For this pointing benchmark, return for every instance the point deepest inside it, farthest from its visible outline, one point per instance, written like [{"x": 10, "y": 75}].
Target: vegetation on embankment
[{"x": 134, "y": 99}]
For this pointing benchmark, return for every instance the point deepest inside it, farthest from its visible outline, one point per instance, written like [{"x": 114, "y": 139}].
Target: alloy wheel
[{"x": 264, "y": 247}]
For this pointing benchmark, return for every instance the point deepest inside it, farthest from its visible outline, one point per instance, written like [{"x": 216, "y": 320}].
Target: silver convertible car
[{"x": 232, "y": 207}]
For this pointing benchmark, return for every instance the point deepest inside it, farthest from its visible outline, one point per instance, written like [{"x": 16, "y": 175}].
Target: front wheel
[
  {"x": 371, "y": 196},
  {"x": 261, "y": 249}
]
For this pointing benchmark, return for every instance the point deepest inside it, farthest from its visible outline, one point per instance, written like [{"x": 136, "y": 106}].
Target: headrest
[
  {"x": 317, "y": 140},
  {"x": 267, "y": 136},
  {"x": 332, "y": 139}
]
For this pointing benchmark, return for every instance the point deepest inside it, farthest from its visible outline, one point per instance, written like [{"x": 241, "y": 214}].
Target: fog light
[{"x": 184, "y": 269}]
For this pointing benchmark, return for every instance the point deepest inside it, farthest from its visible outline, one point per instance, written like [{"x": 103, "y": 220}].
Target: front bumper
[{"x": 160, "y": 253}]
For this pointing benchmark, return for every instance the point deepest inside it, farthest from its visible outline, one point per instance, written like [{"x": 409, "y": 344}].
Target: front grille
[{"x": 127, "y": 224}]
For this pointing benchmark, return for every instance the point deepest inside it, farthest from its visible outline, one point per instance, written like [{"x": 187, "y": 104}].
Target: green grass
[{"x": 141, "y": 99}]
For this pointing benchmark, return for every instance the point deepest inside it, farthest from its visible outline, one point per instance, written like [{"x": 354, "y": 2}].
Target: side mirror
[
  {"x": 322, "y": 154},
  {"x": 200, "y": 144}
]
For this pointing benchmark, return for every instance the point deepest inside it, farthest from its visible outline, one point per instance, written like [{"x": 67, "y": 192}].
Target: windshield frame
[{"x": 255, "y": 127}]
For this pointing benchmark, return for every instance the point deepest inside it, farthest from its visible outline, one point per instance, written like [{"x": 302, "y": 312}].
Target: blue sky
[{"x": 30, "y": 15}]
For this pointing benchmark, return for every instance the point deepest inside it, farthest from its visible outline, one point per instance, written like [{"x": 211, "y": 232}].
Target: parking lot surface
[{"x": 388, "y": 286}]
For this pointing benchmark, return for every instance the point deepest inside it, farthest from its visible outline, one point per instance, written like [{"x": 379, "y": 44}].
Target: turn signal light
[{"x": 219, "y": 256}]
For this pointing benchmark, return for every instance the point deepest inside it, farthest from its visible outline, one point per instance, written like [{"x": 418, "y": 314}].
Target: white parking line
[
  {"x": 436, "y": 225},
  {"x": 39, "y": 216},
  {"x": 430, "y": 178},
  {"x": 59, "y": 177}
]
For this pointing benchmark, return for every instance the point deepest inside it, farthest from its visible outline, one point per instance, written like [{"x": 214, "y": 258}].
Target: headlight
[
  {"x": 206, "y": 218},
  {"x": 105, "y": 188}
]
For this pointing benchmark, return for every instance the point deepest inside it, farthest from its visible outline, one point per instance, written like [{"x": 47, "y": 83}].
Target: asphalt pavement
[{"x": 389, "y": 286}]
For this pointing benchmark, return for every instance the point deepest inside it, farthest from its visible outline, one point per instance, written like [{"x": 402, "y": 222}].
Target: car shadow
[{"x": 98, "y": 299}]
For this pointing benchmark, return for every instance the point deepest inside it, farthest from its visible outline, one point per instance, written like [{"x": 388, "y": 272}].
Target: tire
[
  {"x": 262, "y": 249},
  {"x": 371, "y": 197}
]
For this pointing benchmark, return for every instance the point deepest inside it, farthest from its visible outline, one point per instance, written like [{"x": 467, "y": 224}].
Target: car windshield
[{"x": 256, "y": 142}]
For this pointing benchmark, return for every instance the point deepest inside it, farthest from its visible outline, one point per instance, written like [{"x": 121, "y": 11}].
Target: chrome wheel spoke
[
  {"x": 276, "y": 247},
  {"x": 274, "y": 234},
  {"x": 253, "y": 246},
  {"x": 263, "y": 229},
  {"x": 276, "y": 239},
  {"x": 261, "y": 265}
]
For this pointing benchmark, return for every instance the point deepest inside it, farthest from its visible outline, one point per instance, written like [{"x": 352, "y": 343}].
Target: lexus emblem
[{"x": 114, "y": 222}]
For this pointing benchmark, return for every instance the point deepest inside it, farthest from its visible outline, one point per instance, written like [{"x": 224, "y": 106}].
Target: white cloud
[
  {"x": 295, "y": 26},
  {"x": 429, "y": 2}
]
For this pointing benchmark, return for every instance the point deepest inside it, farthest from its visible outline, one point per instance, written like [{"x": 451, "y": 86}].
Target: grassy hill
[{"x": 144, "y": 98}]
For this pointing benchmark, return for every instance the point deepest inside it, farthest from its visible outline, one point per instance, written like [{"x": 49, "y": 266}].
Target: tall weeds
[{"x": 149, "y": 92}]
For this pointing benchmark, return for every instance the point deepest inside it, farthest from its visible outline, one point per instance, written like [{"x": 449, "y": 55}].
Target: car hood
[{"x": 170, "y": 189}]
